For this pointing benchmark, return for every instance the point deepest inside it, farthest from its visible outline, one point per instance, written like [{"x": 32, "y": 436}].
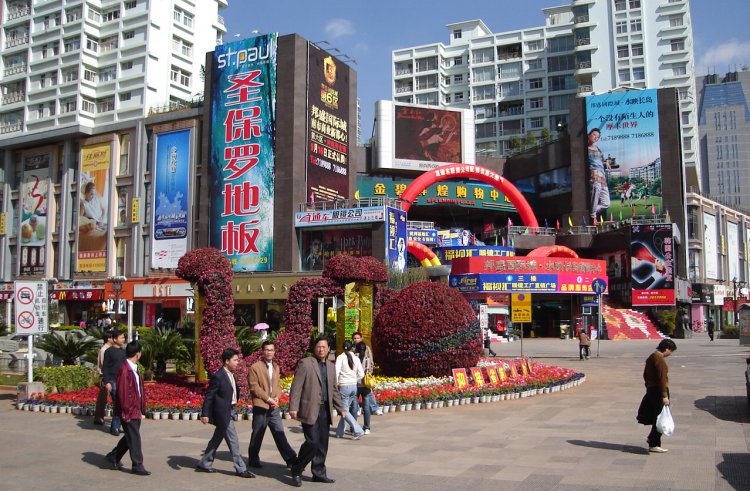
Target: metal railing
[
  {"x": 580, "y": 19},
  {"x": 10, "y": 128},
  {"x": 584, "y": 64},
  {"x": 17, "y": 41},
  {"x": 14, "y": 97},
  {"x": 352, "y": 203},
  {"x": 420, "y": 225},
  {"x": 584, "y": 88},
  {"x": 18, "y": 12},
  {"x": 15, "y": 69},
  {"x": 583, "y": 42}
]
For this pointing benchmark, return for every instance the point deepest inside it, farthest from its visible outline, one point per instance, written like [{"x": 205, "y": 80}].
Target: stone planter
[
  {"x": 164, "y": 415},
  {"x": 428, "y": 405},
  {"x": 194, "y": 416},
  {"x": 417, "y": 406},
  {"x": 156, "y": 415},
  {"x": 409, "y": 406},
  {"x": 385, "y": 409},
  {"x": 401, "y": 407},
  {"x": 186, "y": 416}
]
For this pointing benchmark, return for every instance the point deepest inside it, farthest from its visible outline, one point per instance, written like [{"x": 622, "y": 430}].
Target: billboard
[
  {"x": 328, "y": 127},
  {"x": 710, "y": 249},
  {"x": 652, "y": 263},
  {"x": 93, "y": 207},
  {"x": 421, "y": 138},
  {"x": 320, "y": 245},
  {"x": 169, "y": 232},
  {"x": 342, "y": 216},
  {"x": 395, "y": 246},
  {"x": 34, "y": 207},
  {"x": 243, "y": 114},
  {"x": 733, "y": 251},
  {"x": 623, "y": 158}
]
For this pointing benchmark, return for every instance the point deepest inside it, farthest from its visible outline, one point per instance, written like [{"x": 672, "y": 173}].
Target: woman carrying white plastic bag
[
  {"x": 655, "y": 375},
  {"x": 665, "y": 422}
]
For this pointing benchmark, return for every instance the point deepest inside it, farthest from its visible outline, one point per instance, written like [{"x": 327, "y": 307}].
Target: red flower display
[
  {"x": 210, "y": 271},
  {"x": 345, "y": 269},
  {"x": 426, "y": 329}
]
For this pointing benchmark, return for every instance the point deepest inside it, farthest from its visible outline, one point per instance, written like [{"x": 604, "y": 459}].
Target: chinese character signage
[
  {"x": 428, "y": 237},
  {"x": 460, "y": 378},
  {"x": 171, "y": 191},
  {"x": 93, "y": 211},
  {"x": 520, "y": 307},
  {"x": 339, "y": 216},
  {"x": 243, "y": 112},
  {"x": 31, "y": 303},
  {"x": 34, "y": 204},
  {"x": 328, "y": 127},
  {"x": 624, "y": 159},
  {"x": 651, "y": 251},
  {"x": 448, "y": 254},
  {"x": 395, "y": 246}
]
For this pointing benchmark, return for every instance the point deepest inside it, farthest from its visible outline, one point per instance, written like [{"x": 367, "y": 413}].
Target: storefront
[{"x": 261, "y": 298}]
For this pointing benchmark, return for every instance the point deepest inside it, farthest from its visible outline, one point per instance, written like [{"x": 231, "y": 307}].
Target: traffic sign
[
  {"x": 31, "y": 305},
  {"x": 520, "y": 307},
  {"x": 599, "y": 286}
]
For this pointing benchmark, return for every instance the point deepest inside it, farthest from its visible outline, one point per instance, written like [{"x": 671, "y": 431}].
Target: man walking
[
  {"x": 312, "y": 398},
  {"x": 101, "y": 398},
  {"x": 114, "y": 358},
  {"x": 130, "y": 406},
  {"x": 710, "y": 328},
  {"x": 221, "y": 396},
  {"x": 265, "y": 387}
]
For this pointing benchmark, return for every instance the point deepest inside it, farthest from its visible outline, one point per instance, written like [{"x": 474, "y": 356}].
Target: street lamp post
[{"x": 117, "y": 282}]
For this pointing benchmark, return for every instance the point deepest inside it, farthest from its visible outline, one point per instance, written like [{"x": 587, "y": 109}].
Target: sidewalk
[{"x": 582, "y": 438}]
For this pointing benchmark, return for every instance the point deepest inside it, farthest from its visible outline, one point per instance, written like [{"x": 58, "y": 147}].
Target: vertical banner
[
  {"x": 733, "y": 251},
  {"x": 651, "y": 252},
  {"x": 395, "y": 246},
  {"x": 624, "y": 159},
  {"x": 710, "y": 249},
  {"x": 171, "y": 190},
  {"x": 34, "y": 205},
  {"x": 328, "y": 127},
  {"x": 93, "y": 207},
  {"x": 366, "y": 294},
  {"x": 243, "y": 111}
]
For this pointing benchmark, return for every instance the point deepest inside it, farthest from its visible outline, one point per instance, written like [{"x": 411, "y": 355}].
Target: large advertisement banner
[
  {"x": 733, "y": 251},
  {"x": 328, "y": 127},
  {"x": 93, "y": 207},
  {"x": 34, "y": 205},
  {"x": 321, "y": 245},
  {"x": 395, "y": 247},
  {"x": 710, "y": 250},
  {"x": 624, "y": 159},
  {"x": 243, "y": 112},
  {"x": 425, "y": 135},
  {"x": 652, "y": 263},
  {"x": 171, "y": 191}
]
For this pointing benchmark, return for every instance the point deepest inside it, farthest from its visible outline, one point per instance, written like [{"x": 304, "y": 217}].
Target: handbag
[
  {"x": 368, "y": 381},
  {"x": 665, "y": 422}
]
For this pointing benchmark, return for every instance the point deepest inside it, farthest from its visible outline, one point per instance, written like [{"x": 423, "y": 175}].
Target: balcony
[
  {"x": 17, "y": 41},
  {"x": 18, "y": 12},
  {"x": 406, "y": 88},
  {"x": 14, "y": 97},
  {"x": 220, "y": 20},
  {"x": 10, "y": 127},
  {"x": 583, "y": 42},
  {"x": 400, "y": 72},
  {"x": 581, "y": 19},
  {"x": 15, "y": 69},
  {"x": 582, "y": 89},
  {"x": 583, "y": 65}
]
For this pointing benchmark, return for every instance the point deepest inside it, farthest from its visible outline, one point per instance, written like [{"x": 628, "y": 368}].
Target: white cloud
[
  {"x": 720, "y": 57},
  {"x": 337, "y": 28}
]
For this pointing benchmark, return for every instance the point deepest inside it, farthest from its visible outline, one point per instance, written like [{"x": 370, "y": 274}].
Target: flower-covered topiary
[
  {"x": 345, "y": 269},
  {"x": 211, "y": 273},
  {"x": 426, "y": 329}
]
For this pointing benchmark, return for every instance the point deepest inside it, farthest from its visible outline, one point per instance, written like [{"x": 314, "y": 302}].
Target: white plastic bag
[{"x": 665, "y": 422}]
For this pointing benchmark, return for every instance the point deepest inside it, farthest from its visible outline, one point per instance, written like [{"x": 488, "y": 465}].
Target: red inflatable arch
[
  {"x": 452, "y": 171},
  {"x": 553, "y": 251},
  {"x": 423, "y": 253}
]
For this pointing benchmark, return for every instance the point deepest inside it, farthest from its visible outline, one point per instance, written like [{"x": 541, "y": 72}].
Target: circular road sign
[{"x": 599, "y": 286}]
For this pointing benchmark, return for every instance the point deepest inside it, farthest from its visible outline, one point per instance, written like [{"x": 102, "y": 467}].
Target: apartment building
[{"x": 523, "y": 81}]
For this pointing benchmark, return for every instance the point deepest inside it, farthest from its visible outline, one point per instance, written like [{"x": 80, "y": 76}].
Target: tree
[
  {"x": 159, "y": 345},
  {"x": 545, "y": 134},
  {"x": 530, "y": 139},
  {"x": 514, "y": 143},
  {"x": 69, "y": 347}
]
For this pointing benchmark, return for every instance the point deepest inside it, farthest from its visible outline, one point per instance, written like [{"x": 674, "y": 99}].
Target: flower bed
[{"x": 184, "y": 401}]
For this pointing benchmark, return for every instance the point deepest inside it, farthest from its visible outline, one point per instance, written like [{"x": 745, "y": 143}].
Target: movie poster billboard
[
  {"x": 93, "y": 207},
  {"x": 328, "y": 127},
  {"x": 321, "y": 245},
  {"x": 624, "y": 158},
  {"x": 34, "y": 206},
  {"x": 395, "y": 246},
  {"x": 171, "y": 193},
  {"x": 710, "y": 249},
  {"x": 652, "y": 263},
  {"x": 426, "y": 137},
  {"x": 243, "y": 112}
]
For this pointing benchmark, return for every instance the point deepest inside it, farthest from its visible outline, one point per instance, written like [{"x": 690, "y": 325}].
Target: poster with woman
[{"x": 93, "y": 207}]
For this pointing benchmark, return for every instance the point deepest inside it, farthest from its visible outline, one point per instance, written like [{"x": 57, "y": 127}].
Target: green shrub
[
  {"x": 66, "y": 378},
  {"x": 730, "y": 332}
]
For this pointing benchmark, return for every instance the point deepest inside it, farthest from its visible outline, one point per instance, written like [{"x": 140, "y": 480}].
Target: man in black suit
[
  {"x": 221, "y": 396},
  {"x": 114, "y": 357}
]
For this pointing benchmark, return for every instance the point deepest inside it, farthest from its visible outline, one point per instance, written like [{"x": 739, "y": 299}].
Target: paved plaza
[{"x": 582, "y": 438}]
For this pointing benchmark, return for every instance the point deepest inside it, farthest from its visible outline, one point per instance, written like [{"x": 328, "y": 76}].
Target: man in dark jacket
[
  {"x": 130, "y": 406},
  {"x": 221, "y": 396},
  {"x": 114, "y": 358}
]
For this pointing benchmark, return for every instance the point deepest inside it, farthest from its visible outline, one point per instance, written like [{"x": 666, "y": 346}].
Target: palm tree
[
  {"x": 68, "y": 346},
  {"x": 159, "y": 345}
]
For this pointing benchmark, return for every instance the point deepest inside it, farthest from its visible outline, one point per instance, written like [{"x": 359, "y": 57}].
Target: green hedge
[{"x": 66, "y": 378}]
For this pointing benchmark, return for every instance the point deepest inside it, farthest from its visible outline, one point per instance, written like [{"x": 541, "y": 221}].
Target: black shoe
[
  {"x": 114, "y": 432},
  {"x": 98, "y": 422},
  {"x": 140, "y": 472},
  {"x": 204, "y": 469},
  {"x": 246, "y": 474},
  {"x": 255, "y": 465},
  {"x": 296, "y": 480},
  {"x": 112, "y": 459},
  {"x": 326, "y": 480}
]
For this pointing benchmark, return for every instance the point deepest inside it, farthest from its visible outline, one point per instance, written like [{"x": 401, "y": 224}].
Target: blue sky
[{"x": 369, "y": 31}]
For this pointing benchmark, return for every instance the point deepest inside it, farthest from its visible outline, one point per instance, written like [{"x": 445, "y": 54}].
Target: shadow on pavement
[
  {"x": 611, "y": 446},
  {"x": 7, "y": 397},
  {"x": 96, "y": 459},
  {"x": 179, "y": 462},
  {"x": 727, "y": 408},
  {"x": 735, "y": 468}
]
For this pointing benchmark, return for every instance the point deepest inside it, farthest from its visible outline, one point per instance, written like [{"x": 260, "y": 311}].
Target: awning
[{"x": 497, "y": 310}]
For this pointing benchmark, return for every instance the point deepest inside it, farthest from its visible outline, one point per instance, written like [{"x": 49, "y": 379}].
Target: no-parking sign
[{"x": 31, "y": 307}]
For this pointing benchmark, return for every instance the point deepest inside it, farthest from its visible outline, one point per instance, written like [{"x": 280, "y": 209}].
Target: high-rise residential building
[
  {"x": 70, "y": 66},
  {"x": 523, "y": 81},
  {"x": 724, "y": 125}
]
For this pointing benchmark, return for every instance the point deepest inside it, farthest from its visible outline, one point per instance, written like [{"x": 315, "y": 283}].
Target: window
[
  {"x": 535, "y": 65},
  {"x": 89, "y": 75},
  {"x": 679, "y": 69},
  {"x": 70, "y": 75},
  {"x": 560, "y": 43},
  {"x": 72, "y": 44},
  {"x": 427, "y": 64},
  {"x": 622, "y": 27},
  {"x": 622, "y": 52},
  {"x": 536, "y": 83},
  {"x": 40, "y": 111},
  {"x": 510, "y": 70},
  {"x": 687, "y": 143},
  {"x": 536, "y": 123},
  {"x": 180, "y": 76},
  {"x": 427, "y": 82},
  {"x": 458, "y": 97},
  {"x": 126, "y": 65},
  {"x": 639, "y": 73},
  {"x": 457, "y": 79},
  {"x": 635, "y": 4},
  {"x": 620, "y": 5},
  {"x": 183, "y": 17},
  {"x": 131, "y": 4},
  {"x": 560, "y": 102},
  {"x": 73, "y": 15},
  {"x": 624, "y": 75},
  {"x": 128, "y": 34},
  {"x": 181, "y": 46},
  {"x": 68, "y": 105},
  {"x": 430, "y": 99},
  {"x": 111, "y": 15},
  {"x": 108, "y": 73},
  {"x": 485, "y": 111},
  {"x": 105, "y": 104},
  {"x": 88, "y": 106},
  {"x": 561, "y": 63},
  {"x": 124, "y": 152},
  {"x": 484, "y": 92},
  {"x": 677, "y": 44},
  {"x": 457, "y": 34},
  {"x": 458, "y": 60},
  {"x": 485, "y": 55},
  {"x": 686, "y": 117},
  {"x": 94, "y": 15},
  {"x": 561, "y": 82},
  {"x": 635, "y": 25},
  {"x": 536, "y": 103},
  {"x": 447, "y": 98},
  {"x": 446, "y": 80},
  {"x": 109, "y": 44},
  {"x": 486, "y": 130},
  {"x": 636, "y": 50},
  {"x": 51, "y": 108},
  {"x": 92, "y": 43},
  {"x": 484, "y": 74},
  {"x": 675, "y": 20},
  {"x": 536, "y": 45}
]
